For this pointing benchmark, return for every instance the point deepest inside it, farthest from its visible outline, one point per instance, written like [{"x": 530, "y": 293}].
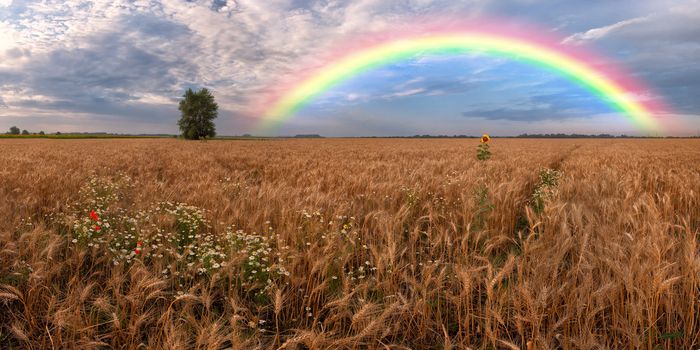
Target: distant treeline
[
  {"x": 592, "y": 136},
  {"x": 87, "y": 135},
  {"x": 426, "y": 136},
  {"x": 572, "y": 136},
  {"x": 536, "y": 136}
]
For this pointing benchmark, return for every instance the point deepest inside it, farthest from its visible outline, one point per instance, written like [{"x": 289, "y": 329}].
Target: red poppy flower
[
  {"x": 93, "y": 215},
  {"x": 97, "y": 228},
  {"x": 137, "y": 251}
]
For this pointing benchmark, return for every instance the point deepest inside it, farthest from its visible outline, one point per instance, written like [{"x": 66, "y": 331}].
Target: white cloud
[
  {"x": 353, "y": 96},
  {"x": 71, "y": 53},
  {"x": 237, "y": 49},
  {"x": 405, "y": 93},
  {"x": 598, "y": 33}
]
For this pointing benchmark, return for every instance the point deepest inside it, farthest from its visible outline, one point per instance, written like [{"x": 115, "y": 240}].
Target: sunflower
[{"x": 485, "y": 138}]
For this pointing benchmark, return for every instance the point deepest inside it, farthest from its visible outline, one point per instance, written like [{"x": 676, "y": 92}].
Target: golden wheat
[{"x": 357, "y": 243}]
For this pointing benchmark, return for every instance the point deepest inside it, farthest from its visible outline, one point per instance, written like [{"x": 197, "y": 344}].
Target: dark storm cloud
[
  {"x": 111, "y": 72},
  {"x": 104, "y": 108},
  {"x": 660, "y": 48}
]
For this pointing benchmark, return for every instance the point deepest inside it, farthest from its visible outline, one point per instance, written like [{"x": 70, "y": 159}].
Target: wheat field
[{"x": 349, "y": 244}]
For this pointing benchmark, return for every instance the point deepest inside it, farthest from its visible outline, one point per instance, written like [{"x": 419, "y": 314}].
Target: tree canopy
[
  {"x": 14, "y": 130},
  {"x": 198, "y": 111}
]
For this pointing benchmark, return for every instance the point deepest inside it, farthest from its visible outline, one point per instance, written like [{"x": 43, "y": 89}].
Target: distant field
[
  {"x": 111, "y": 136},
  {"x": 350, "y": 243},
  {"x": 79, "y": 136}
]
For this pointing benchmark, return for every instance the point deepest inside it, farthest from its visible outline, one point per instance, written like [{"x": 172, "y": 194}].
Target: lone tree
[
  {"x": 14, "y": 130},
  {"x": 25, "y": 132},
  {"x": 198, "y": 110}
]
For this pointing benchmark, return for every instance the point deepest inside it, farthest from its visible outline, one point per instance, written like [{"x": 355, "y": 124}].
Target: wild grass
[{"x": 314, "y": 244}]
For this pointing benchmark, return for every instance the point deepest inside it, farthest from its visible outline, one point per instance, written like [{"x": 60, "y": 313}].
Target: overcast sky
[{"x": 121, "y": 66}]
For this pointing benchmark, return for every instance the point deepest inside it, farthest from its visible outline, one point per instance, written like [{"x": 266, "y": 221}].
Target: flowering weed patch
[
  {"x": 189, "y": 222},
  {"x": 545, "y": 188},
  {"x": 176, "y": 236},
  {"x": 89, "y": 218},
  {"x": 260, "y": 263}
]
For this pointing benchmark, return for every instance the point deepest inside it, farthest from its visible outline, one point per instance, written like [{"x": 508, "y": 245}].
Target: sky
[{"x": 122, "y": 66}]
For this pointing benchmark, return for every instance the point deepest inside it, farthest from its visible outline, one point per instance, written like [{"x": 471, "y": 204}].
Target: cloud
[
  {"x": 597, "y": 33},
  {"x": 423, "y": 86},
  {"x": 131, "y": 60},
  {"x": 405, "y": 93},
  {"x": 110, "y": 72},
  {"x": 662, "y": 50},
  {"x": 354, "y": 96}
]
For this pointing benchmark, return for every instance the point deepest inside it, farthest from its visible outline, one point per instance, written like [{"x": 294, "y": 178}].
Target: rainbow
[{"x": 617, "y": 90}]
